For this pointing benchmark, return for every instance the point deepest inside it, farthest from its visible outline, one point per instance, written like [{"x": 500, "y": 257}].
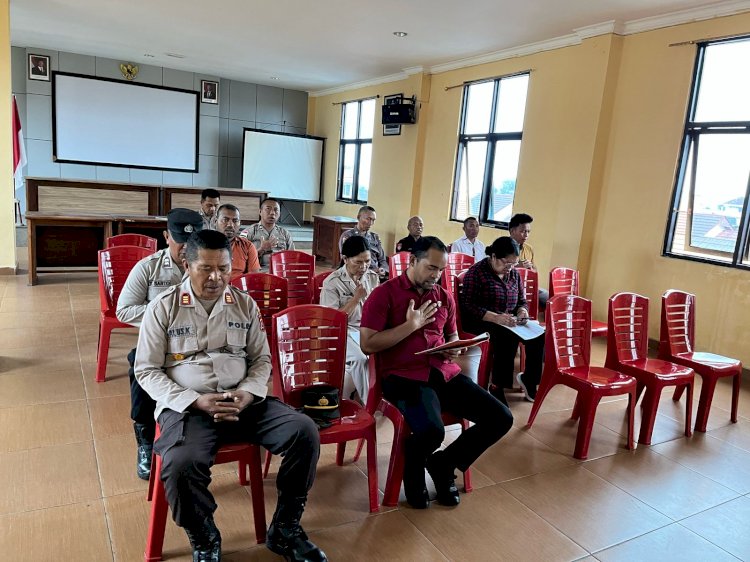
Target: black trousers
[
  {"x": 421, "y": 403},
  {"x": 142, "y": 406},
  {"x": 189, "y": 441},
  {"x": 504, "y": 348}
]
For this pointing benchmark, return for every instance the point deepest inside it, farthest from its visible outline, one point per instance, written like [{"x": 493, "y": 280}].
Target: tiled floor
[{"x": 69, "y": 490}]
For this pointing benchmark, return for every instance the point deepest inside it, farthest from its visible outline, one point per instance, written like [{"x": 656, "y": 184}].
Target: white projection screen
[
  {"x": 103, "y": 121},
  {"x": 286, "y": 166}
]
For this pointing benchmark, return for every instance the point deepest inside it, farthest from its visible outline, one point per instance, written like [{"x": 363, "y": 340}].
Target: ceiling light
[
  {"x": 175, "y": 55},
  {"x": 400, "y": 33}
]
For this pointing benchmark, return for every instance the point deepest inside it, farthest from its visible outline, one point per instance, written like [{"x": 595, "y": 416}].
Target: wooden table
[
  {"x": 326, "y": 234},
  {"x": 63, "y": 242}
]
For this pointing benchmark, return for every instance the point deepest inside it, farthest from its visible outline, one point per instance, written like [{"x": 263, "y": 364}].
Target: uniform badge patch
[
  {"x": 188, "y": 228},
  {"x": 178, "y": 356},
  {"x": 228, "y": 298},
  {"x": 185, "y": 299}
]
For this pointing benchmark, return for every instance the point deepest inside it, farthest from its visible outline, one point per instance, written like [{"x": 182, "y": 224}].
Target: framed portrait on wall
[
  {"x": 39, "y": 67},
  {"x": 209, "y": 91},
  {"x": 392, "y": 130}
]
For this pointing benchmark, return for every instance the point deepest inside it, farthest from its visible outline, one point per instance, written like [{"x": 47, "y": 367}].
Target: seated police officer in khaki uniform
[
  {"x": 203, "y": 356},
  {"x": 149, "y": 278}
]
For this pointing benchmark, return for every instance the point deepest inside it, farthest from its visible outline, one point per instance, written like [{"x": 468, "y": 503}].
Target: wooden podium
[{"x": 326, "y": 234}]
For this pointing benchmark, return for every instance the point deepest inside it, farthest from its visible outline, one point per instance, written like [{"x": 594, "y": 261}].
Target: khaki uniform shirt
[
  {"x": 209, "y": 223},
  {"x": 149, "y": 278},
  {"x": 377, "y": 254},
  {"x": 183, "y": 352},
  {"x": 258, "y": 233},
  {"x": 339, "y": 287}
]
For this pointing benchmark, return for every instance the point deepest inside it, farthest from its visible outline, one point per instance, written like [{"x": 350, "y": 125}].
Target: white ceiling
[{"x": 315, "y": 45}]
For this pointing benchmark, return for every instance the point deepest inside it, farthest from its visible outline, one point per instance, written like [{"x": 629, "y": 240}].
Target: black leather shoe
[
  {"x": 144, "y": 437},
  {"x": 443, "y": 478},
  {"x": 206, "y": 542},
  {"x": 418, "y": 499},
  {"x": 286, "y": 536}
]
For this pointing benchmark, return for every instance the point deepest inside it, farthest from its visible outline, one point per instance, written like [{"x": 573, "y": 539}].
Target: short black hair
[
  {"x": 519, "y": 219},
  {"x": 502, "y": 247},
  {"x": 267, "y": 199},
  {"x": 365, "y": 208},
  {"x": 210, "y": 193},
  {"x": 205, "y": 240},
  {"x": 228, "y": 207},
  {"x": 425, "y": 244},
  {"x": 467, "y": 219},
  {"x": 353, "y": 246}
]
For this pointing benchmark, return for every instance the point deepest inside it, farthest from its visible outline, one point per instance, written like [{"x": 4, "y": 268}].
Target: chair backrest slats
[
  {"x": 568, "y": 334},
  {"x": 627, "y": 327}
]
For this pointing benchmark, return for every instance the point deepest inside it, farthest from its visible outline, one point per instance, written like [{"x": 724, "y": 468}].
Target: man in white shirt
[{"x": 470, "y": 243}]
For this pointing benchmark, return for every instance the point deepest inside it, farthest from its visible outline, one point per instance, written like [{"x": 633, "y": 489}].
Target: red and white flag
[{"x": 19, "y": 149}]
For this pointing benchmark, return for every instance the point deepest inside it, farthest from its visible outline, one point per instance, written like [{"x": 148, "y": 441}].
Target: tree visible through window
[
  {"x": 709, "y": 206},
  {"x": 489, "y": 146},
  {"x": 355, "y": 150}
]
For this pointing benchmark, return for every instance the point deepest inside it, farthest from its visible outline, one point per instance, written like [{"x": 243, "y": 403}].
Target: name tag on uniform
[{"x": 181, "y": 332}]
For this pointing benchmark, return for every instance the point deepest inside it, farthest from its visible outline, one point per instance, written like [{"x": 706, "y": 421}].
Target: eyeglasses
[{"x": 507, "y": 263}]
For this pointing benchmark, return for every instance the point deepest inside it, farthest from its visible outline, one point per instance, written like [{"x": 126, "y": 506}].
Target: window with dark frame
[
  {"x": 708, "y": 218},
  {"x": 489, "y": 147},
  {"x": 355, "y": 150}
]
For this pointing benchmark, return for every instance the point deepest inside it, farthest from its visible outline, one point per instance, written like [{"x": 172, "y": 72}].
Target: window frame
[
  {"x": 492, "y": 139},
  {"x": 691, "y": 135},
  {"x": 357, "y": 142}
]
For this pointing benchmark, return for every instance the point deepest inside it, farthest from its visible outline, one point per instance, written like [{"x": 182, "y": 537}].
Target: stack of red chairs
[
  {"x": 140, "y": 240},
  {"x": 564, "y": 281},
  {"x": 457, "y": 264},
  {"x": 398, "y": 263},
  {"x": 298, "y": 268}
]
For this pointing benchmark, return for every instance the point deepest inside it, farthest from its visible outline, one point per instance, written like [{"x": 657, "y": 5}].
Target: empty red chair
[
  {"x": 308, "y": 347},
  {"x": 248, "y": 457},
  {"x": 568, "y": 361},
  {"x": 268, "y": 291},
  {"x": 298, "y": 268},
  {"x": 530, "y": 280},
  {"x": 457, "y": 264},
  {"x": 398, "y": 263},
  {"x": 140, "y": 240},
  {"x": 564, "y": 281},
  {"x": 627, "y": 352},
  {"x": 114, "y": 265},
  {"x": 676, "y": 343},
  {"x": 484, "y": 373},
  {"x": 317, "y": 285}
]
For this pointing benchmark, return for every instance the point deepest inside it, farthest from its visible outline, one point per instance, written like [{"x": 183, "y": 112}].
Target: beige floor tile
[
  {"x": 50, "y": 304},
  {"x": 492, "y": 525},
  {"x": 85, "y": 302},
  {"x": 558, "y": 431},
  {"x": 25, "y": 291},
  {"x": 713, "y": 458},
  {"x": 673, "y": 542},
  {"x": 40, "y": 388},
  {"x": 590, "y": 511},
  {"x": 725, "y": 526},
  {"x": 38, "y": 359},
  {"x": 42, "y": 321},
  {"x": 115, "y": 384},
  {"x": 28, "y": 427},
  {"x": 48, "y": 477},
  {"x": 519, "y": 454},
  {"x": 72, "y": 532},
  {"x": 110, "y": 416},
  {"x": 676, "y": 410},
  {"x": 661, "y": 483},
  {"x": 128, "y": 516},
  {"x": 737, "y": 434},
  {"x": 13, "y": 338},
  {"x": 614, "y": 416}
]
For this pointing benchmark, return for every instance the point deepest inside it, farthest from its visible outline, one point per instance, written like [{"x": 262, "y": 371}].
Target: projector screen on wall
[
  {"x": 104, "y": 121},
  {"x": 286, "y": 166}
]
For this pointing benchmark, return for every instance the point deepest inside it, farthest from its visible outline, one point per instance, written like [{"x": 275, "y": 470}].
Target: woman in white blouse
[{"x": 346, "y": 289}]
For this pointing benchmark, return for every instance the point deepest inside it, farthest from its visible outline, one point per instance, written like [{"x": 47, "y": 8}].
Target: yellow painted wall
[{"x": 7, "y": 228}]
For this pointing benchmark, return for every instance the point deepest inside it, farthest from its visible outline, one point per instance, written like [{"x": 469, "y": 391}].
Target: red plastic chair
[
  {"x": 140, "y": 240},
  {"x": 114, "y": 265},
  {"x": 530, "y": 280},
  {"x": 568, "y": 362},
  {"x": 298, "y": 268},
  {"x": 627, "y": 352},
  {"x": 484, "y": 373},
  {"x": 268, "y": 291},
  {"x": 248, "y": 457},
  {"x": 398, "y": 263},
  {"x": 676, "y": 343},
  {"x": 564, "y": 281},
  {"x": 317, "y": 285},
  {"x": 308, "y": 347},
  {"x": 457, "y": 264}
]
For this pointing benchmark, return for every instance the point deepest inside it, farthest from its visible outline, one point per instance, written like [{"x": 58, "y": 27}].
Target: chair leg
[
  {"x": 632, "y": 399},
  {"x": 158, "y": 520},
  {"x": 639, "y": 390},
  {"x": 150, "y": 493},
  {"x": 736, "y": 381},
  {"x": 678, "y": 390},
  {"x": 704, "y": 404},
  {"x": 585, "y": 425},
  {"x": 689, "y": 410},
  {"x": 256, "y": 494},
  {"x": 267, "y": 464},
  {"x": 340, "y": 452},
  {"x": 522, "y": 360},
  {"x": 395, "y": 471},
  {"x": 648, "y": 413},
  {"x": 102, "y": 352},
  {"x": 242, "y": 469},
  {"x": 544, "y": 387},
  {"x": 576, "y": 413},
  {"x": 467, "y": 473},
  {"x": 358, "y": 452},
  {"x": 372, "y": 471}
]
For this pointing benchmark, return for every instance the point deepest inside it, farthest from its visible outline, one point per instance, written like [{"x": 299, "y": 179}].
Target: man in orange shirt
[{"x": 244, "y": 254}]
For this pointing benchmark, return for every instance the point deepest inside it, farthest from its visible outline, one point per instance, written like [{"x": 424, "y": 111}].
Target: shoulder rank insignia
[
  {"x": 228, "y": 298},
  {"x": 185, "y": 299}
]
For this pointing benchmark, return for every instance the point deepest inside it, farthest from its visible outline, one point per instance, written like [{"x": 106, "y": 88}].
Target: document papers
[{"x": 532, "y": 329}]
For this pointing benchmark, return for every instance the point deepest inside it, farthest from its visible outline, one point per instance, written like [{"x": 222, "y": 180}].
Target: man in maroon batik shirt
[{"x": 411, "y": 313}]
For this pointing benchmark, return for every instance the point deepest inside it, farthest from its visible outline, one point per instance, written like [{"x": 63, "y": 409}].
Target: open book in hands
[
  {"x": 456, "y": 344},
  {"x": 526, "y": 331}
]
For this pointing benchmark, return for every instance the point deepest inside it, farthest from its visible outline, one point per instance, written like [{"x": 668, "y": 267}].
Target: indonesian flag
[{"x": 19, "y": 150}]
